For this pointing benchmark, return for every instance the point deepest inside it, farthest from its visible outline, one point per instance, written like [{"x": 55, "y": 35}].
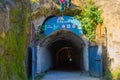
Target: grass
[{"x": 40, "y": 76}]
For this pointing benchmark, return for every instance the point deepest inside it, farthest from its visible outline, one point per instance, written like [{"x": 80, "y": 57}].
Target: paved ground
[{"x": 67, "y": 75}]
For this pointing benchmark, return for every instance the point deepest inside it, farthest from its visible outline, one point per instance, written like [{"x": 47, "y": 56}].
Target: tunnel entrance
[
  {"x": 66, "y": 55},
  {"x": 68, "y": 60},
  {"x": 62, "y": 50}
]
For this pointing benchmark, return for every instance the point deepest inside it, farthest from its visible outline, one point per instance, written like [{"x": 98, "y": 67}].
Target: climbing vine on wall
[{"x": 90, "y": 18}]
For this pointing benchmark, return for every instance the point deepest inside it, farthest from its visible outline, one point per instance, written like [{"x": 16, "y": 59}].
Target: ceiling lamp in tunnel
[
  {"x": 69, "y": 55},
  {"x": 70, "y": 59}
]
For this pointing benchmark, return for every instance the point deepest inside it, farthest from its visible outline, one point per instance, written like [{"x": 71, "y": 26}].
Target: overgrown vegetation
[
  {"x": 12, "y": 61},
  {"x": 112, "y": 75},
  {"x": 40, "y": 33},
  {"x": 89, "y": 15},
  {"x": 40, "y": 76},
  {"x": 90, "y": 18}
]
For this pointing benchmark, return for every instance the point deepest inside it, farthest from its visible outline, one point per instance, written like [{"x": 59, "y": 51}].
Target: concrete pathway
[{"x": 67, "y": 75}]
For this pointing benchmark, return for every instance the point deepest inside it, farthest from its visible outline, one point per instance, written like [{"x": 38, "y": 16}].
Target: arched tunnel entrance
[
  {"x": 66, "y": 55},
  {"x": 62, "y": 50}
]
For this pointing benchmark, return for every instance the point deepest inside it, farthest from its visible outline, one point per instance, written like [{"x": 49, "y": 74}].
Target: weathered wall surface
[
  {"x": 1, "y": 21},
  {"x": 111, "y": 18},
  {"x": 38, "y": 22},
  {"x": 44, "y": 61},
  {"x": 1, "y": 30},
  {"x": 14, "y": 40}
]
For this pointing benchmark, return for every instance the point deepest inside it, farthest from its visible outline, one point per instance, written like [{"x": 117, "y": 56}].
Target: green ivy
[
  {"x": 90, "y": 18},
  {"x": 40, "y": 33}
]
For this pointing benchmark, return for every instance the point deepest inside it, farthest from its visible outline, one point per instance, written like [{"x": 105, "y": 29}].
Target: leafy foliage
[
  {"x": 34, "y": 1},
  {"x": 90, "y": 18},
  {"x": 40, "y": 32},
  {"x": 112, "y": 75}
]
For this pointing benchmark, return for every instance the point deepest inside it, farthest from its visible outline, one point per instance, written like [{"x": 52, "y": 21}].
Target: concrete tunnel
[{"x": 62, "y": 50}]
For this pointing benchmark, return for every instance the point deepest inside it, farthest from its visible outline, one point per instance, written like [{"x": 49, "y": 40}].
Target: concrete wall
[
  {"x": 43, "y": 59},
  {"x": 86, "y": 57},
  {"x": 85, "y": 54}
]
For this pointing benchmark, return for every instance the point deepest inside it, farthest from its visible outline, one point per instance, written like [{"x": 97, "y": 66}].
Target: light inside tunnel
[
  {"x": 66, "y": 55},
  {"x": 63, "y": 50}
]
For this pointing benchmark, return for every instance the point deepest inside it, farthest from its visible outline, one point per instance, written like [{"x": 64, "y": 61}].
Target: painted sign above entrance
[{"x": 62, "y": 23}]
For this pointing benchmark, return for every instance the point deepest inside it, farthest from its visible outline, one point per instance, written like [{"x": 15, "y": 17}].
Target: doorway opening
[
  {"x": 66, "y": 55},
  {"x": 62, "y": 50}
]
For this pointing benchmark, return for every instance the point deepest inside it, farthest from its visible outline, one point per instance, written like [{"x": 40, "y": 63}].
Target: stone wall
[
  {"x": 4, "y": 26},
  {"x": 1, "y": 21},
  {"x": 111, "y": 17}
]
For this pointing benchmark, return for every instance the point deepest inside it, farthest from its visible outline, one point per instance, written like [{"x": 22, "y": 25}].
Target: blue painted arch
[{"x": 62, "y": 23}]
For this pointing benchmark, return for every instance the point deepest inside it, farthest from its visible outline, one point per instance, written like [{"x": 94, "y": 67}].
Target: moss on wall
[{"x": 12, "y": 61}]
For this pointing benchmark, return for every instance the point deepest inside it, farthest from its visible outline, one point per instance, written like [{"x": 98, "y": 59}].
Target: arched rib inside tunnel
[
  {"x": 64, "y": 51},
  {"x": 66, "y": 55}
]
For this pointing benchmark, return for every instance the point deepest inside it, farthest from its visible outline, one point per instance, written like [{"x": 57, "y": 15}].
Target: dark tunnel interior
[{"x": 66, "y": 55}]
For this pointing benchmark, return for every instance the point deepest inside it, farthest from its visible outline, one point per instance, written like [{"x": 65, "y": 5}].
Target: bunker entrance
[
  {"x": 66, "y": 55},
  {"x": 65, "y": 51}
]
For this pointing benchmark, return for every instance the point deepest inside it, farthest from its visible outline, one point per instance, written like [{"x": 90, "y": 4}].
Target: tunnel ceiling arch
[
  {"x": 62, "y": 35},
  {"x": 62, "y": 23}
]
